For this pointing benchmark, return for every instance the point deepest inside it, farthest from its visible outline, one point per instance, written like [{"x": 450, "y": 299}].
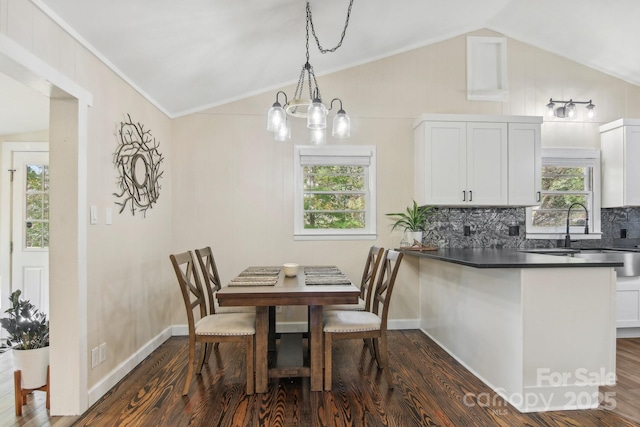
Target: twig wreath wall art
[{"x": 138, "y": 162}]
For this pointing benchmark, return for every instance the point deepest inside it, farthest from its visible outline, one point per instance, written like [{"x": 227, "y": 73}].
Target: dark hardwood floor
[{"x": 430, "y": 391}]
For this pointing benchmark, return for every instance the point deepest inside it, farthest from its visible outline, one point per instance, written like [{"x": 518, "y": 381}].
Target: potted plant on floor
[
  {"x": 413, "y": 221},
  {"x": 28, "y": 330}
]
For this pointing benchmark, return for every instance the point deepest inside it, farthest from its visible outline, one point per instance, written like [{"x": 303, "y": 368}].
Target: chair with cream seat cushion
[
  {"x": 213, "y": 284},
  {"x": 207, "y": 328},
  {"x": 344, "y": 324},
  {"x": 366, "y": 283}
]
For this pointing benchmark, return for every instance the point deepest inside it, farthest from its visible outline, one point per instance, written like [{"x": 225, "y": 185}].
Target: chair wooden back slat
[
  {"x": 386, "y": 282},
  {"x": 210, "y": 275},
  {"x": 374, "y": 257},
  {"x": 190, "y": 286}
]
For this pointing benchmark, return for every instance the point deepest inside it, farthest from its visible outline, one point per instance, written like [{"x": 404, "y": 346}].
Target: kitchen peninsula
[{"x": 538, "y": 329}]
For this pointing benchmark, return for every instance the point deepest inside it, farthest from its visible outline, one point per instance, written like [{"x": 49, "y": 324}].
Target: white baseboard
[
  {"x": 120, "y": 371},
  {"x": 403, "y": 324},
  {"x": 628, "y": 333},
  {"x": 180, "y": 330}
]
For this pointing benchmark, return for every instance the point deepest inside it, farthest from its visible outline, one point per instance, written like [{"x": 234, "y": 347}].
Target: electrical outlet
[
  {"x": 94, "y": 357},
  {"x": 103, "y": 352}
]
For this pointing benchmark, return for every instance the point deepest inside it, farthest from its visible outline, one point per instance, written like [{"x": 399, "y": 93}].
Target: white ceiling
[{"x": 189, "y": 55}]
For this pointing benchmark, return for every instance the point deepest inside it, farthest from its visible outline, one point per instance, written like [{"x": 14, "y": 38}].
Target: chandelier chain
[{"x": 313, "y": 31}]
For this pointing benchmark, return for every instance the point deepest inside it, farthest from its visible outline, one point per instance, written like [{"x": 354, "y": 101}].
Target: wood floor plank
[{"x": 431, "y": 389}]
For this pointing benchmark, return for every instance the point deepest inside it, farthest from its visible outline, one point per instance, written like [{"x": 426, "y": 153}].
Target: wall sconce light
[{"x": 568, "y": 109}]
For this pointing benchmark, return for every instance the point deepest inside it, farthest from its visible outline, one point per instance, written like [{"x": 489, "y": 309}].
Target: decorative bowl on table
[{"x": 290, "y": 269}]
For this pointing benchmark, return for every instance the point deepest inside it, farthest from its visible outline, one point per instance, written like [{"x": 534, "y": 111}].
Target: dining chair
[
  {"x": 213, "y": 283},
  {"x": 210, "y": 328},
  {"x": 346, "y": 324},
  {"x": 366, "y": 283}
]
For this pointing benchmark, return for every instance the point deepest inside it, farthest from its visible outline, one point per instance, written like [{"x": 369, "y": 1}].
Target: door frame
[
  {"x": 6, "y": 156},
  {"x": 69, "y": 104}
]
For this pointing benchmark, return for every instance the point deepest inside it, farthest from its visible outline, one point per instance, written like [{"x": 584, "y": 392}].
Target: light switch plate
[
  {"x": 94, "y": 357},
  {"x": 93, "y": 215},
  {"x": 103, "y": 352},
  {"x": 108, "y": 216}
]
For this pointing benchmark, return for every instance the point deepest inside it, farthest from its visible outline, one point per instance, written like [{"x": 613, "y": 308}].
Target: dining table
[{"x": 265, "y": 287}]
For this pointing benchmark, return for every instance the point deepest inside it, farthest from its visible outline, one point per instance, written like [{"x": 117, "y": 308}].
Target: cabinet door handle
[
  {"x": 464, "y": 196},
  {"x": 470, "y": 196},
  {"x": 539, "y": 197}
]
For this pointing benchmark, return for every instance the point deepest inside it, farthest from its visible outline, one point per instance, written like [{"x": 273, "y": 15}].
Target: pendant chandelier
[{"x": 312, "y": 107}]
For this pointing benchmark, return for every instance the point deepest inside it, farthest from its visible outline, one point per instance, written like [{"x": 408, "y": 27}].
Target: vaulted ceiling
[{"x": 189, "y": 55}]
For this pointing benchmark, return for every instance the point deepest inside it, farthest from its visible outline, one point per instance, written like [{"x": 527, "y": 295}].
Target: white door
[{"x": 30, "y": 227}]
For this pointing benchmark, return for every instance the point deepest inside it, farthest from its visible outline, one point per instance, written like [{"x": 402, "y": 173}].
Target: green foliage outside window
[
  {"x": 37, "y": 206},
  {"x": 334, "y": 197},
  {"x": 561, "y": 187}
]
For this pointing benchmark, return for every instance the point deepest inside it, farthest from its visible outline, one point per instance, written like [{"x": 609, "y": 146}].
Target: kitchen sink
[{"x": 631, "y": 260}]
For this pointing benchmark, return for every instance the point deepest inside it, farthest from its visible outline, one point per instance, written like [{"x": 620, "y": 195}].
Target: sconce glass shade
[
  {"x": 570, "y": 110},
  {"x": 341, "y": 125},
  {"x": 551, "y": 109},
  {"x": 318, "y": 136},
  {"x": 591, "y": 113},
  {"x": 317, "y": 115},
  {"x": 284, "y": 131},
  {"x": 275, "y": 117}
]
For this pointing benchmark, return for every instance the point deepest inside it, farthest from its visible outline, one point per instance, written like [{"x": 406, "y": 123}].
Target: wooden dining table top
[{"x": 288, "y": 291}]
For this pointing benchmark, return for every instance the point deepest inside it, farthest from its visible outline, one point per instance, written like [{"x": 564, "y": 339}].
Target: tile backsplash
[{"x": 491, "y": 228}]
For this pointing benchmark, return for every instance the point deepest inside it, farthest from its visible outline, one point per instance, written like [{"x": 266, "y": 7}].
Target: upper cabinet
[
  {"x": 471, "y": 160},
  {"x": 620, "y": 151}
]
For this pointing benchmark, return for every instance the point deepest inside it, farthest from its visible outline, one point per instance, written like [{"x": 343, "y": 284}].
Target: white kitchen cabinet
[
  {"x": 628, "y": 302},
  {"x": 471, "y": 160},
  {"x": 620, "y": 151},
  {"x": 525, "y": 164}
]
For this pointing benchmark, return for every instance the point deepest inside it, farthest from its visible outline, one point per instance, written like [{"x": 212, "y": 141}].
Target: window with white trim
[
  {"x": 568, "y": 176},
  {"x": 335, "y": 192}
]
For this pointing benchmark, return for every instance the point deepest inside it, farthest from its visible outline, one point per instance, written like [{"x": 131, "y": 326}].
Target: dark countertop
[{"x": 508, "y": 258}]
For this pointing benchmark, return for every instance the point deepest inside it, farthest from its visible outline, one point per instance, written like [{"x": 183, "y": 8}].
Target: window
[
  {"x": 36, "y": 233},
  {"x": 334, "y": 192},
  {"x": 568, "y": 177}
]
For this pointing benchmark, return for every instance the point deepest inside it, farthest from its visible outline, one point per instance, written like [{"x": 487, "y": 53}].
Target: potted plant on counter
[
  {"x": 28, "y": 330},
  {"x": 413, "y": 221}
]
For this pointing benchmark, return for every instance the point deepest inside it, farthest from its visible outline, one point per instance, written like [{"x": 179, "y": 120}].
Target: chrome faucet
[{"x": 567, "y": 238}]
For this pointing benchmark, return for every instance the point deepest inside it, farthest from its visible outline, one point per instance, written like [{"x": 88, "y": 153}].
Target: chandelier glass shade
[
  {"x": 283, "y": 133},
  {"x": 276, "y": 115},
  {"x": 310, "y": 107},
  {"x": 318, "y": 136}
]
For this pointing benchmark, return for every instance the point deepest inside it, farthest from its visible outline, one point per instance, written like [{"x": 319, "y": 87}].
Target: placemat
[
  {"x": 261, "y": 271},
  {"x": 324, "y": 270},
  {"x": 334, "y": 279},
  {"x": 253, "y": 281}
]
